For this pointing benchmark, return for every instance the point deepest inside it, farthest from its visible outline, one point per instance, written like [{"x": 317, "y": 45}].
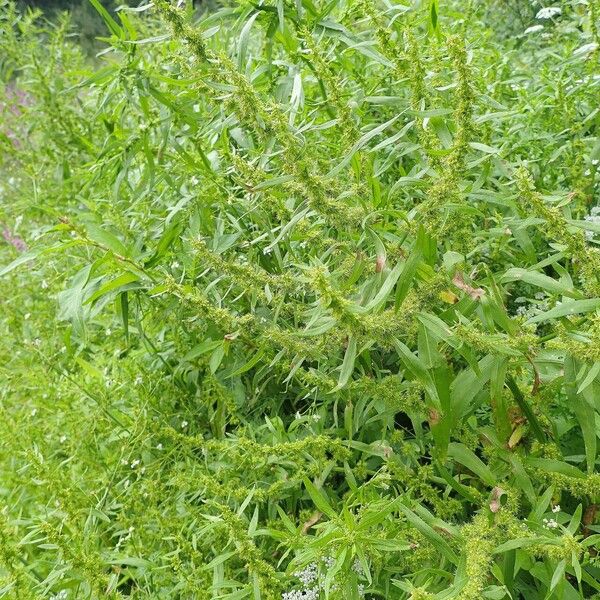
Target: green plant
[{"x": 309, "y": 307}]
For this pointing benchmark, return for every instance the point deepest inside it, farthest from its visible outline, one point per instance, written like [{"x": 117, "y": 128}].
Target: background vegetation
[{"x": 300, "y": 301}]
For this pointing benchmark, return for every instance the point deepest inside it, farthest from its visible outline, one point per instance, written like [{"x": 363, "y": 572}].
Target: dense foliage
[{"x": 301, "y": 300}]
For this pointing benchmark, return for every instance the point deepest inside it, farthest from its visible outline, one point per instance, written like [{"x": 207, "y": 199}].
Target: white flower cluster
[
  {"x": 312, "y": 594},
  {"x": 306, "y": 594},
  {"x": 540, "y": 304},
  {"x": 309, "y": 577},
  {"x": 550, "y": 523},
  {"x": 329, "y": 561},
  {"x": 548, "y": 12}
]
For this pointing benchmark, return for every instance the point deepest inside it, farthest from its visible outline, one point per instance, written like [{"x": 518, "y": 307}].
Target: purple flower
[{"x": 14, "y": 240}]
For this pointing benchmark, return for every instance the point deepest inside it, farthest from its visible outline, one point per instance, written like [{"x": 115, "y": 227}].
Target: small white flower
[
  {"x": 556, "y": 509},
  {"x": 550, "y": 523},
  {"x": 44, "y": 284},
  {"x": 159, "y": 446},
  {"x": 533, "y": 29},
  {"x": 268, "y": 250},
  {"x": 62, "y": 439},
  {"x": 135, "y": 463},
  {"x": 184, "y": 424},
  {"x": 138, "y": 380},
  {"x": 108, "y": 331},
  {"x": 34, "y": 412},
  {"x": 316, "y": 417},
  {"x": 175, "y": 265},
  {"x": 548, "y": 12},
  {"x": 308, "y": 575},
  {"x": 124, "y": 461},
  {"x": 298, "y": 415}
]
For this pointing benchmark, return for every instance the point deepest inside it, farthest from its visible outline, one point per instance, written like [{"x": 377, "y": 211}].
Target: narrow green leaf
[
  {"x": 540, "y": 280},
  {"x": 567, "y": 309},
  {"x": 319, "y": 499},
  {"x": 465, "y": 456},
  {"x": 347, "y": 365},
  {"x": 584, "y": 412}
]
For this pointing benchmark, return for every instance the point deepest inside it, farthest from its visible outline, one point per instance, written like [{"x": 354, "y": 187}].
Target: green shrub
[{"x": 301, "y": 300}]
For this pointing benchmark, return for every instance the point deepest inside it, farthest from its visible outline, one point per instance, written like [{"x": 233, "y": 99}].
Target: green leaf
[
  {"x": 319, "y": 499},
  {"x": 521, "y": 543},
  {"x": 559, "y": 574},
  {"x": 106, "y": 239},
  {"x": 555, "y": 466},
  {"x": 589, "y": 378},
  {"x": 575, "y": 520},
  {"x": 541, "y": 281},
  {"x": 248, "y": 365},
  {"x": 567, "y": 309},
  {"x": 524, "y": 406},
  {"x": 433, "y": 536},
  {"x": 386, "y": 288},
  {"x": 23, "y": 258},
  {"x": 244, "y": 39},
  {"x": 363, "y": 141},
  {"x": 347, "y": 365},
  {"x": 110, "y": 22},
  {"x": 123, "y": 302},
  {"x": 406, "y": 277},
  {"x": 433, "y": 14},
  {"x": 214, "y": 362},
  {"x": 372, "y": 518},
  {"x": 465, "y": 456},
  {"x": 113, "y": 284},
  {"x": 418, "y": 370},
  {"x": 584, "y": 412}
]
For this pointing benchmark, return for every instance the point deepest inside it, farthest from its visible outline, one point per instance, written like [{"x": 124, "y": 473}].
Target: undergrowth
[{"x": 300, "y": 300}]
